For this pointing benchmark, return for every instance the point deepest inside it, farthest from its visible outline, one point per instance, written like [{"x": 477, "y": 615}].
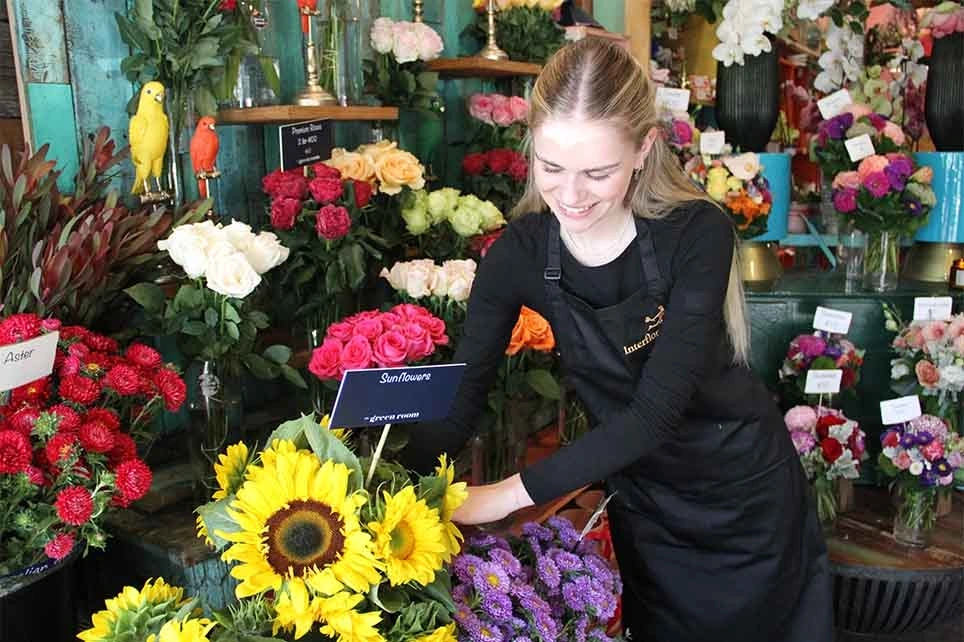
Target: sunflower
[
  {"x": 342, "y": 435},
  {"x": 441, "y": 634},
  {"x": 183, "y": 631},
  {"x": 295, "y": 609},
  {"x": 455, "y": 495},
  {"x": 342, "y": 620},
  {"x": 297, "y": 519},
  {"x": 202, "y": 531},
  {"x": 410, "y": 538},
  {"x": 229, "y": 470},
  {"x": 132, "y": 613}
]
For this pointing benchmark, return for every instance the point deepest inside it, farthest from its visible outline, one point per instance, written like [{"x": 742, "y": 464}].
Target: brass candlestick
[
  {"x": 313, "y": 95},
  {"x": 417, "y": 11},
  {"x": 491, "y": 50}
]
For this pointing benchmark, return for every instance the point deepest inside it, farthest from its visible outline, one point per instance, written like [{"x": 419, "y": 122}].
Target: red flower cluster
[
  {"x": 497, "y": 161},
  {"x": 293, "y": 193},
  {"x": 403, "y": 335}
]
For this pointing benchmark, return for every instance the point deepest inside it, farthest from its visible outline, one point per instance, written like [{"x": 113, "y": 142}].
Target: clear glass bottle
[{"x": 259, "y": 74}]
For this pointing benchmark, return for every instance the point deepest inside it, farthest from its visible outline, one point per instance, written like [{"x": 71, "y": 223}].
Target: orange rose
[
  {"x": 531, "y": 331},
  {"x": 927, "y": 373}
]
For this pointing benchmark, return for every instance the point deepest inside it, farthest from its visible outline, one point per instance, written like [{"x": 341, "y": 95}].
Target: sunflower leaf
[
  {"x": 432, "y": 490},
  {"x": 441, "y": 590},
  {"x": 327, "y": 446},
  {"x": 216, "y": 520},
  {"x": 388, "y": 598}
]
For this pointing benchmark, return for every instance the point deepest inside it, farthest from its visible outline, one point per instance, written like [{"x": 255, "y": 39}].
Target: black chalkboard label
[{"x": 305, "y": 143}]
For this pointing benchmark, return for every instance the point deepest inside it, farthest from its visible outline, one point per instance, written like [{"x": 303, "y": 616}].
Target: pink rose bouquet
[
  {"x": 500, "y": 120},
  {"x": 829, "y": 149},
  {"x": 945, "y": 19},
  {"x": 397, "y": 75}
]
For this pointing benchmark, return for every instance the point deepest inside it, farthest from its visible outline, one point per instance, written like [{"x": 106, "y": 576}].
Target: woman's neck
[{"x": 603, "y": 242}]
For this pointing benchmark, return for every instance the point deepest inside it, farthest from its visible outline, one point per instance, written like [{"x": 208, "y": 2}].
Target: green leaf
[
  {"x": 194, "y": 328},
  {"x": 144, "y": 18},
  {"x": 188, "y": 298},
  {"x": 823, "y": 363},
  {"x": 270, "y": 74},
  {"x": 441, "y": 590},
  {"x": 259, "y": 319},
  {"x": 293, "y": 431},
  {"x": 293, "y": 377},
  {"x": 278, "y": 353},
  {"x": 327, "y": 446},
  {"x": 233, "y": 330},
  {"x": 216, "y": 519},
  {"x": 211, "y": 317},
  {"x": 204, "y": 101},
  {"x": 387, "y": 598},
  {"x": 432, "y": 489},
  {"x": 261, "y": 367},
  {"x": 147, "y": 295},
  {"x": 353, "y": 258},
  {"x": 131, "y": 34},
  {"x": 231, "y": 313},
  {"x": 543, "y": 383}
]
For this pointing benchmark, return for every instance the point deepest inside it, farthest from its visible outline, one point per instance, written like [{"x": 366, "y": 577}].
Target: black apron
[{"x": 714, "y": 533}]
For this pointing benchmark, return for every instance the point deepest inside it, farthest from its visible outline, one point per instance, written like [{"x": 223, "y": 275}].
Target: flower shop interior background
[{"x": 357, "y": 225}]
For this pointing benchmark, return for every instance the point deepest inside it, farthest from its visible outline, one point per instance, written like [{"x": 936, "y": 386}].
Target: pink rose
[
  {"x": 325, "y": 360},
  {"x": 519, "y": 107},
  {"x": 436, "y": 329},
  {"x": 368, "y": 328},
  {"x": 333, "y": 222},
  {"x": 933, "y": 450},
  {"x": 420, "y": 343},
  {"x": 361, "y": 316},
  {"x": 871, "y": 165},
  {"x": 499, "y": 101},
  {"x": 325, "y": 190},
  {"x": 845, "y": 200},
  {"x": 390, "y": 321},
  {"x": 284, "y": 212},
  {"x": 959, "y": 345},
  {"x": 682, "y": 132},
  {"x": 933, "y": 331},
  {"x": 356, "y": 354},
  {"x": 894, "y": 133},
  {"x": 391, "y": 349},
  {"x": 914, "y": 338},
  {"x": 927, "y": 373},
  {"x": 341, "y": 330},
  {"x": 502, "y": 116},
  {"x": 480, "y": 108},
  {"x": 902, "y": 460},
  {"x": 850, "y": 180},
  {"x": 800, "y": 418},
  {"x": 409, "y": 311},
  {"x": 900, "y": 342},
  {"x": 858, "y": 110}
]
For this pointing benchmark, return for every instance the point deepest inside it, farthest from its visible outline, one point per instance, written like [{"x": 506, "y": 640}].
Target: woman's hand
[{"x": 492, "y": 502}]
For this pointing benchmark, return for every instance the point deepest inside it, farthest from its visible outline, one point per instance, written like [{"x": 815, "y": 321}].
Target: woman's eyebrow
[{"x": 592, "y": 169}]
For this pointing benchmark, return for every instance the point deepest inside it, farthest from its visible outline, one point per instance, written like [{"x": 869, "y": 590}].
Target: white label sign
[
  {"x": 830, "y": 320},
  {"x": 933, "y": 308},
  {"x": 900, "y": 410},
  {"x": 22, "y": 363},
  {"x": 860, "y": 147},
  {"x": 823, "y": 382},
  {"x": 834, "y": 104},
  {"x": 672, "y": 99},
  {"x": 712, "y": 142}
]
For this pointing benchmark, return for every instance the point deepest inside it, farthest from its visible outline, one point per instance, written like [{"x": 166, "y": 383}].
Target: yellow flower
[
  {"x": 134, "y": 611},
  {"x": 229, "y": 470},
  {"x": 352, "y": 165},
  {"x": 186, "y": 631},
  {"x": 410, "y": 539},
  {"x": 340, "y": 433},
  {"x": 455, "y": 495},
  {"x": 396, "y": 169},
  {"x": 340, "y": 619},
  {"x": 374, "y": 151},
  {"x": 202, "y": 531},
  {"x": 716, "y": 183},
  {"x": 298, "y": 519},
  {"x": 442, "y": 634},
  {"x": 295, "y": 609}
]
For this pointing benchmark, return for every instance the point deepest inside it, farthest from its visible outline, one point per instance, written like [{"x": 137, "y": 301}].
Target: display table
[{"x": 882, "y": 587}]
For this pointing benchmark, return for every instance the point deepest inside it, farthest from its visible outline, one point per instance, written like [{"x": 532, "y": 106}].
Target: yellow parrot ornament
[{"x": 148, "y": 132}]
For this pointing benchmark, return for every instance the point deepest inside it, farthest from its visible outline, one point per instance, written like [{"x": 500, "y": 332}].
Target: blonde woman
[{"x": 636, "y": 271}]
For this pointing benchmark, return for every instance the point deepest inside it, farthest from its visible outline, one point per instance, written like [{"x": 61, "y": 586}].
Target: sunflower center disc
[
  {"x": 403, "y": 541},
  {"x": 305, "y": 534}
]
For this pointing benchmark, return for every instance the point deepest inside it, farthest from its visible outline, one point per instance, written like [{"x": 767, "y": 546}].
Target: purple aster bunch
[{"x": 544, "y": 586}]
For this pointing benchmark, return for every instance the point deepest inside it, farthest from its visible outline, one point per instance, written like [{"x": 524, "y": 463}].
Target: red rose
[
  {"x": 105, "y": 416},
  {"x": 333, "y": 222},
  {"x": 24, "y": 419},
  {"x": 363, "y": 193},
  {"x": 228, "y": 5},
  {"x": 284, "y": 213},
  {"x": 325, "y": 360},
  {"x": 124, "y": 449},
  {"x": 79, "y": 389},
  {"x": 34, "y": 393},
  {"x": 320, "y": 170},
  {"x": 61, "y": 544},
  {"x": 519, "y": 169},
  {"x": 74, "y": 505},
  {"x": 341, "y": 330},
  {"x": 891, "y": 439},
  {"x": 326, "y": 190},
  {"x": 100, "y": 343},
  {"x": 19, "y": 327},
  {"x": 61, "y": 447},
  {"x": 143, "y": 356},
  {"x": 390, "y": 349},
  {"x": 69, "y": 419},
  {"x": 370, "y": 329},
  {"x": 848, "y": 379},
  {"x": 14, "y": 452},
  {"x": 292, "y": 184},
  {"x": 481, "y": 243},
  {"x": 474, "y": 164},
  {"x": 134, "y": 479},
  {"x": 824, "y": 423},
  {"x": 500, "y": 159},
  {"x": 172, "y": 388},
  {"x": 832, "y": 449},
  {"x": 96, "y": 437},
  {"x": 357, "y": 353},
  {"x": 420, "y": 344},
  {"x": 125, "y": 380}
]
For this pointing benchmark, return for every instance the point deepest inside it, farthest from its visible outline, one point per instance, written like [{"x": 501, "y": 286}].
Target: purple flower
[
  {"x": 833, "y": 351},
  {"x": 908, "y": 441},
  {"x": 491, "y": 577},
  {"x": 811, "y": 346},
  {"x": 928, "y": 423},
  {"x": 895, "y": 178},
  {"x": 486, "y": 541},
  {"x": 497, "y": 605},
  {"x": 914, "y": 207},
  {"x": 924, "y": 437},
  {"x": 521, "y": 638},
  {"x": 537, "y": 531},
  {"x": 599, "y": 569},
  {"x": 928, "y": 478},
  {"x": 878, "y": 121},
  {"x": 565, "y": 561},
  {"x": 941, "y": 467},
  {"x": 506, "y": 560},
  {"x": 466, "y": 566},
  {"x": 548, "y": 572},
  {"x": 567, "y": 535},
  {"x": 803, "y": 441},
  {"x": 581, "y": 625},
  {"x": 837, "y": 126},
  {"x": 599, "y": 635},
  {"x": 576, "y": 593},
  {"x": 877, "y": 184},
  {"x": 901, "y": 165},
  {"x": 845, "y": 200}
]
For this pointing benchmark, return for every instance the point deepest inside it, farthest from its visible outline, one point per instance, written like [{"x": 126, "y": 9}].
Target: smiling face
[{"x": 582, "y": 169}]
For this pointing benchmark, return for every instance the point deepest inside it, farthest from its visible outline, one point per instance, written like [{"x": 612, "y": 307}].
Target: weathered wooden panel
[
  {"x": 52, "y": 121},
  {"x": 41, "y": 45},
  {"x": 11, "y": 132},
  {"x": 9, "y": 94}
]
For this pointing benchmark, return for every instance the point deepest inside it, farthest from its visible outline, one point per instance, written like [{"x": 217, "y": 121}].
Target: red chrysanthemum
[
  {"x": 172, "y": 388},
  {"x": 124, "y": 449},
  {"x": 24, "y": 419},
  {"x": 79, "y": 389},
  {"x": 105, "y": 416},
  {"x": 19, "y": 327},
  {"x": 143, "y": 356},
  {"x": 133, "y": 481},
  {"x": 35, "y": 475},
  {"x": 60, "y": 447},
  {"x": 69, "y": 419},
  {"x": 100, "y": 343},
  {"x": 14, "y": 452},
  {"x": 34, "y": 393},
  {"x": 74, "y": 505},
  {"x": 73, "y": 332},
  {"x": 96, "y": 364},
  {"x": 124, "y": 379},
  {"x": 59, "y": 546},
  {"x": 96, "y": 437}
]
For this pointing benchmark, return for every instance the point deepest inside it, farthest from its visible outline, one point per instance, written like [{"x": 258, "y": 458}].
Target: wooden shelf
[
  {"x": 280, "y": 114},
  {"x": 475, "y": 67}
]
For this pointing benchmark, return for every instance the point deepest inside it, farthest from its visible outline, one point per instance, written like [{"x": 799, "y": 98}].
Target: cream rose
[
  {"x": 382, "y": 37},
  {"x": 265, "y": 252},
  {"x": 395, "y": 276},
  {"x": 352, "y": 165},
  {"x": 188, "y": 248},
  {"x": 232, "y": 275},
  {"x": 374, "y": 151},
  {"x": 420, "y": 278},
  {"x": 238, "y": 234},
  {"x": 459, "y": 275},
  {"x": 396, "y": 169}
]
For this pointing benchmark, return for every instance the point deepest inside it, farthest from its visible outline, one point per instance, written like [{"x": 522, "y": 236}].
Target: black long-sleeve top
[{"x": 683, "y": 374}]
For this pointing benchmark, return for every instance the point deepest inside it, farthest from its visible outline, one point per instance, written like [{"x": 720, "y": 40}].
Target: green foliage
[{"x": 527, "y": 34}]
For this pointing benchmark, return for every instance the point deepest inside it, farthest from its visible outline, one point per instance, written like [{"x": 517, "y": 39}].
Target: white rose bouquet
[
  {"x": 211, "y": 313},
  {"x": 397, "y": 75}
]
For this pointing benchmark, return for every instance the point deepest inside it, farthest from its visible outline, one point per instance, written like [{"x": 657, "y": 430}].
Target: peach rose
[
  {"x": 871, "y": 164},
  {"x": 846, "y": 179},
  {"x": 396, "y": 169},
  {"x": 927, "y": 373},
  {"x": 858, "y": 110},
  {"x": 352, "y": 165},
  {"x": 894, "y": 133},
  {"x": 959, "y": 345},
  {"x": 374, "y": 151},
  {"x": 531, "y": 331},
  {"x": 923, "y": 175}
]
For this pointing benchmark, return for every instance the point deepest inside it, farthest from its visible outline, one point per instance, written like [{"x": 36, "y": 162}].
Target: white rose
[
  {"x": 953, "y": 377},
  {"x": 265, "y": 252},
  {"x": 459, "y": 274},
  {"x": 420, "y": 278},
  {"x": 238, "y": 234},
  {"x": 188, "y": 248},
  {"x": 395, "y": 276},
  {"x": 232, "y": 275},
  {"x": 916, "y": 468},
  {"x": 220, "y": 249},
  {"x": 405, "y": 48},
  {"x": 898, "y": 369},
  {"x": 429, "y": 42},
  {"x": 744, "y": 166},
  {"x": 381, "y": 36}
]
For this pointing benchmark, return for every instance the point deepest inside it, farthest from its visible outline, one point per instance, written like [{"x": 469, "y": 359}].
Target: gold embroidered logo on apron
[{"x": 652, "y": 331}]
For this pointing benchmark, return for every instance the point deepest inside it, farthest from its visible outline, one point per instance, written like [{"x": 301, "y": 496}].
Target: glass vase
[
  {"x": 216, "y": 415},
  {"x": 355, "y": 18},
  {"x": 825, "y": 491},
  {"x": 258, "y": 83},
  {"x": 881, "y": 261},
  {"x": 916, "y": 515}
]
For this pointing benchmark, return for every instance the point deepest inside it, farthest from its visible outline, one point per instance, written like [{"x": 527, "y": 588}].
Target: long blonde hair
[{"x": 594, "y": 79}]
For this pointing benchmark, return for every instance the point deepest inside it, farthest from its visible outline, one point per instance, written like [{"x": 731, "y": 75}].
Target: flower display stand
[{"x": 40, "y": 605}]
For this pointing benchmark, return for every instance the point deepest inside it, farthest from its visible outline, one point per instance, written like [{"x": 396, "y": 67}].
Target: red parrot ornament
[
  {"x": 311, "y": 6},
  {"x": 204, "y": 153}
]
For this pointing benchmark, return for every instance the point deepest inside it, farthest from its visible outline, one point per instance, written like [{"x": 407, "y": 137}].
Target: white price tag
[
  {"x": 672, "y": 99},
  {"x": 834, "y": 104},
  {"x": 900, "y": 410},
  {"x": 860, "y": 147},
  {"x": 823, "y": 382},
  {"x": 712, "y": 142},
  {"x": 830, "y": 320},
  {"x": 22, "y": 363},
  {"x": 933, "y": 308}
]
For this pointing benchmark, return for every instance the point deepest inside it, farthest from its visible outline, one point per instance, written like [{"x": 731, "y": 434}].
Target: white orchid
[
  {"x": 811, "y": 9},
  {"x": 744, "y": 27},
  {"x": 842, "y": 62}
]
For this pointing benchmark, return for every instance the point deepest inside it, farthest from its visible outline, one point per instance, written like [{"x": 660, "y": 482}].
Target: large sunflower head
[
  {"x": 229, "y": 470},
  {"x": 455, "y": 495},
  {"x": 441, "y": 634},
  {"x": 410, "y": 538},
  {"x": 298, "y": 519},
  {"x": 133, "y": 613},
  {"x": 189, "y": 630}
]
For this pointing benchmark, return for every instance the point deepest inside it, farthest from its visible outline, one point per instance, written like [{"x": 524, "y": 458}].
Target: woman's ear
[{"x": 647, "y": 145}]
